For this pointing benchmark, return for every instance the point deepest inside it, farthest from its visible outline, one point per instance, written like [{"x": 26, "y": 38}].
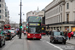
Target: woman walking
[{"x": 69, "y": 35}]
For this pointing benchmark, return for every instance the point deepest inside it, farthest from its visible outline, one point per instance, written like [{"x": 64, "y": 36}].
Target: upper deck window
[{"x": 34, "y": 19}]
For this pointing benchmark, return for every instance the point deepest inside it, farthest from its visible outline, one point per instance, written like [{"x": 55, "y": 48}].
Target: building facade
[
  {"x": 4, "y": 14},
  {"x": 24, "y": 24},
  {"x": 2, "y": 10},
  {"x": 14, "y": 25},
  {"x": 31, "y": 13},
  {"x": 60, "y": 14}
]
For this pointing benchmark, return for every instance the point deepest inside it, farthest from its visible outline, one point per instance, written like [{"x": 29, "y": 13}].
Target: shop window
[
  {"x": 0, "y": 11},
  {"x": 0, "y": 5},
  {"x": 0, "y": 16}
]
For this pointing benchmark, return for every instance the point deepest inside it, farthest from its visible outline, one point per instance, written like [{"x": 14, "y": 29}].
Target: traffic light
[{"x": 20, "y": 26}]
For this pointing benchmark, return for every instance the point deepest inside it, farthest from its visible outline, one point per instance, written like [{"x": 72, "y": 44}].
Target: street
[
  {"x": 43, "y": 44},
  {"x": 41, "y": 25}
]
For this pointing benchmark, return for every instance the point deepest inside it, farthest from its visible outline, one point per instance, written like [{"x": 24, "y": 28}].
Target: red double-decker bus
[
  {"x": 7, "y": 27},
  {"x": 34, "y": 27}
]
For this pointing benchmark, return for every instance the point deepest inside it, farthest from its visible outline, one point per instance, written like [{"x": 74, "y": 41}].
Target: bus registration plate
[{"x": 34, "y": 37}]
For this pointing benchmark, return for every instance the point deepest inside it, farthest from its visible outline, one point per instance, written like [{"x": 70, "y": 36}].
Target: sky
[{"x": 27, "y": 5}]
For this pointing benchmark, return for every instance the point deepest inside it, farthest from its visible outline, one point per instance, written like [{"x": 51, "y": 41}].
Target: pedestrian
[
  {"x": 18, "y": 33},
  {"x": 47, "y": 32},
  {"x": 50, "y": 32},
  {"x": 58, "y": 30},
  {"x": 65, "y": 34},
  {"x": 69, "y": 35},
  {"x": 72, "y": 34}
]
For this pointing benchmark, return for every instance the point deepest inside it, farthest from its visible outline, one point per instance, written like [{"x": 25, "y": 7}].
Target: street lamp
[{"x": 20, "y": 24}]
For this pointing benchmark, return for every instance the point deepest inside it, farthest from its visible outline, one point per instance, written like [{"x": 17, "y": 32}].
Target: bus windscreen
[
  {"x": 7, "y": 26},
  {"x": 34, "y": 30}
]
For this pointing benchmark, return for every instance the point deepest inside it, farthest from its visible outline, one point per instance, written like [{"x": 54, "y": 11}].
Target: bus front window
[
  {"x": 7, "y": 27},
  {"x": 34, "y": 30}
]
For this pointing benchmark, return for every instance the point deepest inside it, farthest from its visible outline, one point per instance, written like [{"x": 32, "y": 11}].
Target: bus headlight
[{"x": 28, "y": 34}]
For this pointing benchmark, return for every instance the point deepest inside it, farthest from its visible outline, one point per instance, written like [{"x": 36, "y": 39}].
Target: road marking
[
  {"x": 52, "y": 44},
  {"x": 55, "y": 46}
]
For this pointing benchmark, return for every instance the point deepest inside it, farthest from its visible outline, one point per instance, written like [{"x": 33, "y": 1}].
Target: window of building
[
  {"x": 0, "y": 0},
  {"x": 61, "y": 17},
  {"x": 0, "y": 5},
  {"x": 0, "y": 11},
  {"x": 67, "y": 17},
  {"x": 61, "y": 8},
  {"x": 74, "y": 16},
  {"x": 0, "y": 16},
  {"x": 60, "y": 28},
  {"x": 67, "y": 5}
]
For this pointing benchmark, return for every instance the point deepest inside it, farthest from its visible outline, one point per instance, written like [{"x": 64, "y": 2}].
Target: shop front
[{"x": 73, "y": 28}]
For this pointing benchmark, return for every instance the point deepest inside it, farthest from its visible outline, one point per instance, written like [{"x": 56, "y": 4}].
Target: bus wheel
[
  {"x": 38, "y": 39},
  {"x": 27, "y": 38}
]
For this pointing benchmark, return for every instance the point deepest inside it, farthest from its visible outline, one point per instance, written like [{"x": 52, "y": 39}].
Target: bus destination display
[{"x": 34, "y": 24}]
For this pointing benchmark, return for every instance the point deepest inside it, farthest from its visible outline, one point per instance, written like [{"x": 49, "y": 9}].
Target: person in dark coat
[
  {"x": 18, "y": 32},
  {"x": 65, "y": 34},
  {"x": 50, "y": 32}
]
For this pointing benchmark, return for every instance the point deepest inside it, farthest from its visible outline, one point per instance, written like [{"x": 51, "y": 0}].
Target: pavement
[
  {"x": 71, "y": 41},
  {"x": 16, "y": 44}
]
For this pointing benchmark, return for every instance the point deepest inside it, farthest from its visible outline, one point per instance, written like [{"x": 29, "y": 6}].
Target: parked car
[
  {"x": 8, "y": 34},
  {"x": 12, "y": 32},
  {"x": 57, "y": 37},
  {"x": 2, "y": 39}
]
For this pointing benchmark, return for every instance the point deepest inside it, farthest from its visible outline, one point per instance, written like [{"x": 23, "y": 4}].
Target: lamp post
[{"x": 20, "y": 24}]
